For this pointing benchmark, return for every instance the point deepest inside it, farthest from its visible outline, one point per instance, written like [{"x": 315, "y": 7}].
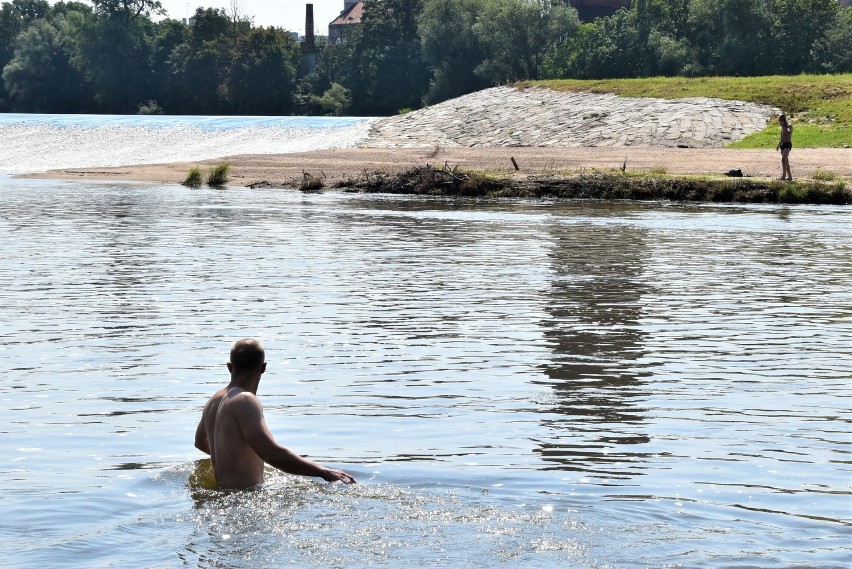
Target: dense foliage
[{"x": 118, "y": 56}]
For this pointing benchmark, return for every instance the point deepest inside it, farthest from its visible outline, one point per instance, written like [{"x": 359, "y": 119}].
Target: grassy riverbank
[
  {"x": 821, "y": 105},
  {"x": 606, "y": 185}
]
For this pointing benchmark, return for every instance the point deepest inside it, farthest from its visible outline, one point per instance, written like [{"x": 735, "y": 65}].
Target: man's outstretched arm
[{"x": 261, "y": 440}]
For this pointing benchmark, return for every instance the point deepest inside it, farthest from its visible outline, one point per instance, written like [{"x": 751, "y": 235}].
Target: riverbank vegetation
[
  {"x": 216, "y": 176},
  {"x": 605, "y": 185},
  {"x": 122, "y": 57}
]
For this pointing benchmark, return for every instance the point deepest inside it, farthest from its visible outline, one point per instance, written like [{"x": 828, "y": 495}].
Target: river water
[{"x": 513, "y": 383}]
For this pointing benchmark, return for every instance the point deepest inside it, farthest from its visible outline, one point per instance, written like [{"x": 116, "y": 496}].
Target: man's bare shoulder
[
  {"x": 215, "y": 398},
  {"x": 240, "y": 400}
]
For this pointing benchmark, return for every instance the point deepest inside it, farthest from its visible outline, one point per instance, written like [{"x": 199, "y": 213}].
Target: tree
[
  {"x": 797, "y": 26},
  {"x": 200, "y": 64},
  {"x": 240, "y": 21},
  {"x": 127, "y": 11},
  {"x": 606, "y": 47},
  {"x": 731, "y": 36},
  {"x": 114, "y": 56},
  {"x": 332, "y": 68},
  {"x": 831, "y": 52},
  {"x": 262, "y": 77},
  {"x": 388, "y": 73},
  {"x": 167, "y": 36},
  {"x": 15, "y": 16},
  {"x": 39, "y": 77},
  {"x": 31, "y": 10},
  {"x": 450, "y": 49},
  {"x": 519, "y": 34},
  {"x": 334, "y": 101}
]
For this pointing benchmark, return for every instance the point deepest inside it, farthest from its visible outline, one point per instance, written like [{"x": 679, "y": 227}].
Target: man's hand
[{"x": 331, "y": 475}]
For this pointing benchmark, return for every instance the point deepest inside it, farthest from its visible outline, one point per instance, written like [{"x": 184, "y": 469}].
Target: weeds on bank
[
  {"x": 811, "y": 192},
  {"x": 826, "y": 175},
  {"x": 606, "y": 185},
  {"x": 194, "y": 178},
  {"x": 216, "y": 176}
]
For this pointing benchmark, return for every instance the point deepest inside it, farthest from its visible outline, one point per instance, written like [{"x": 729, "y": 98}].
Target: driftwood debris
[{"x": 427, "y": 180}]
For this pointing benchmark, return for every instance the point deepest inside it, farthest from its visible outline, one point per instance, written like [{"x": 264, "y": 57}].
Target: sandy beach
[{"x": 342, "y": 164}]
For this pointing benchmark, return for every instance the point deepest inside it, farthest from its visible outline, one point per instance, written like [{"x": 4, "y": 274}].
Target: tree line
[{"x": 119, "y": 56}]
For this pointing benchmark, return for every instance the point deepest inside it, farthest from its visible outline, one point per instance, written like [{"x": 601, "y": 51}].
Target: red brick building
[{"x": 351, "y": 15}]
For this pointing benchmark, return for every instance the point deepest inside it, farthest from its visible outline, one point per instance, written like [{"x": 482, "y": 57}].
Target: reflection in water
[{"x": 594, "y": 306}]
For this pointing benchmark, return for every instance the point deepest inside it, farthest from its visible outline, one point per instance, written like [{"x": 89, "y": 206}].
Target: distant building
[
  {"x": 308, "y": 44},
  {"x": 353, "y": 11},
  {"x": 591, "y": 9}
]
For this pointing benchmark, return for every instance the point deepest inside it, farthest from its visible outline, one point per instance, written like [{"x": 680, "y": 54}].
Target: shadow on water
[{"x": 594, "y": 303}]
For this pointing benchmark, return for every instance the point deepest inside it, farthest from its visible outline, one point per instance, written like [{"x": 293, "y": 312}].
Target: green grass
[
  {"x": 820, "y": 105},
  {"x": 804, "y": 136},
  {"x": 218, "y": 175},
  {"x": 822, "y": 175},
  {"x": 194, "y": 178}
]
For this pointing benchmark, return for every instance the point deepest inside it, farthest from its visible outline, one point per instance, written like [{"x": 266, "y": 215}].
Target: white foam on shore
[{"x": 38, "y": 144}]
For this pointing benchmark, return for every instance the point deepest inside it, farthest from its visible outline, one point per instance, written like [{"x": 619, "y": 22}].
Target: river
[{"x": 513, "y": 383}]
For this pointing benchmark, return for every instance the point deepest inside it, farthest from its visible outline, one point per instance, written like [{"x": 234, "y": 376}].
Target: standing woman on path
[{"x": 785, "y": 146}]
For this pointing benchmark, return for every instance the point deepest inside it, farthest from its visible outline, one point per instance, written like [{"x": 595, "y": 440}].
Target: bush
[
  {"x": 149, "y": 108},
  {"x": 218, "y": 175},
  {"x": 193, "y": 178},
  {"x": 335, "y": 100}
]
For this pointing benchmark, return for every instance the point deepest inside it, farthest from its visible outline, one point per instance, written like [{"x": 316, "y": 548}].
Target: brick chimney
[{"x": 309, "y": 27}]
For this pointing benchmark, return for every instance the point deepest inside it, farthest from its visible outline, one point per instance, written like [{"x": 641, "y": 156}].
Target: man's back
[
  {"x": 233, "y": 432},
  {"x": 234, "y": 461}
]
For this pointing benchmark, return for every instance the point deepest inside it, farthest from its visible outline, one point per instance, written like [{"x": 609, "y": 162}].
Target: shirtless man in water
[{"x": 235, "y": 435}]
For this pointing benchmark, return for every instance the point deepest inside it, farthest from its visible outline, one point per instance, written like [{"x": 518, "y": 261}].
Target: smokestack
[{"x": 309, "y": 26}]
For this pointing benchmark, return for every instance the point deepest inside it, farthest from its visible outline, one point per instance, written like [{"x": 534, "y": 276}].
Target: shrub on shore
[
  {"x": 218, "y": 175},
  {"x": 194, "y": 178}
]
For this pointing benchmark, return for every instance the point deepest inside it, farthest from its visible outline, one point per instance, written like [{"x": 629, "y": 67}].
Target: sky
[{"x": 287, "y": 14}]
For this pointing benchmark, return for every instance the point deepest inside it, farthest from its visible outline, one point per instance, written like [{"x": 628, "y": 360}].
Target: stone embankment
[{"x": 539, "y": 117}]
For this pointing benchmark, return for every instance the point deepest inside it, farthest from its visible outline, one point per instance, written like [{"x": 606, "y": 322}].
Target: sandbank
[{"x": 335, "y": 166}]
